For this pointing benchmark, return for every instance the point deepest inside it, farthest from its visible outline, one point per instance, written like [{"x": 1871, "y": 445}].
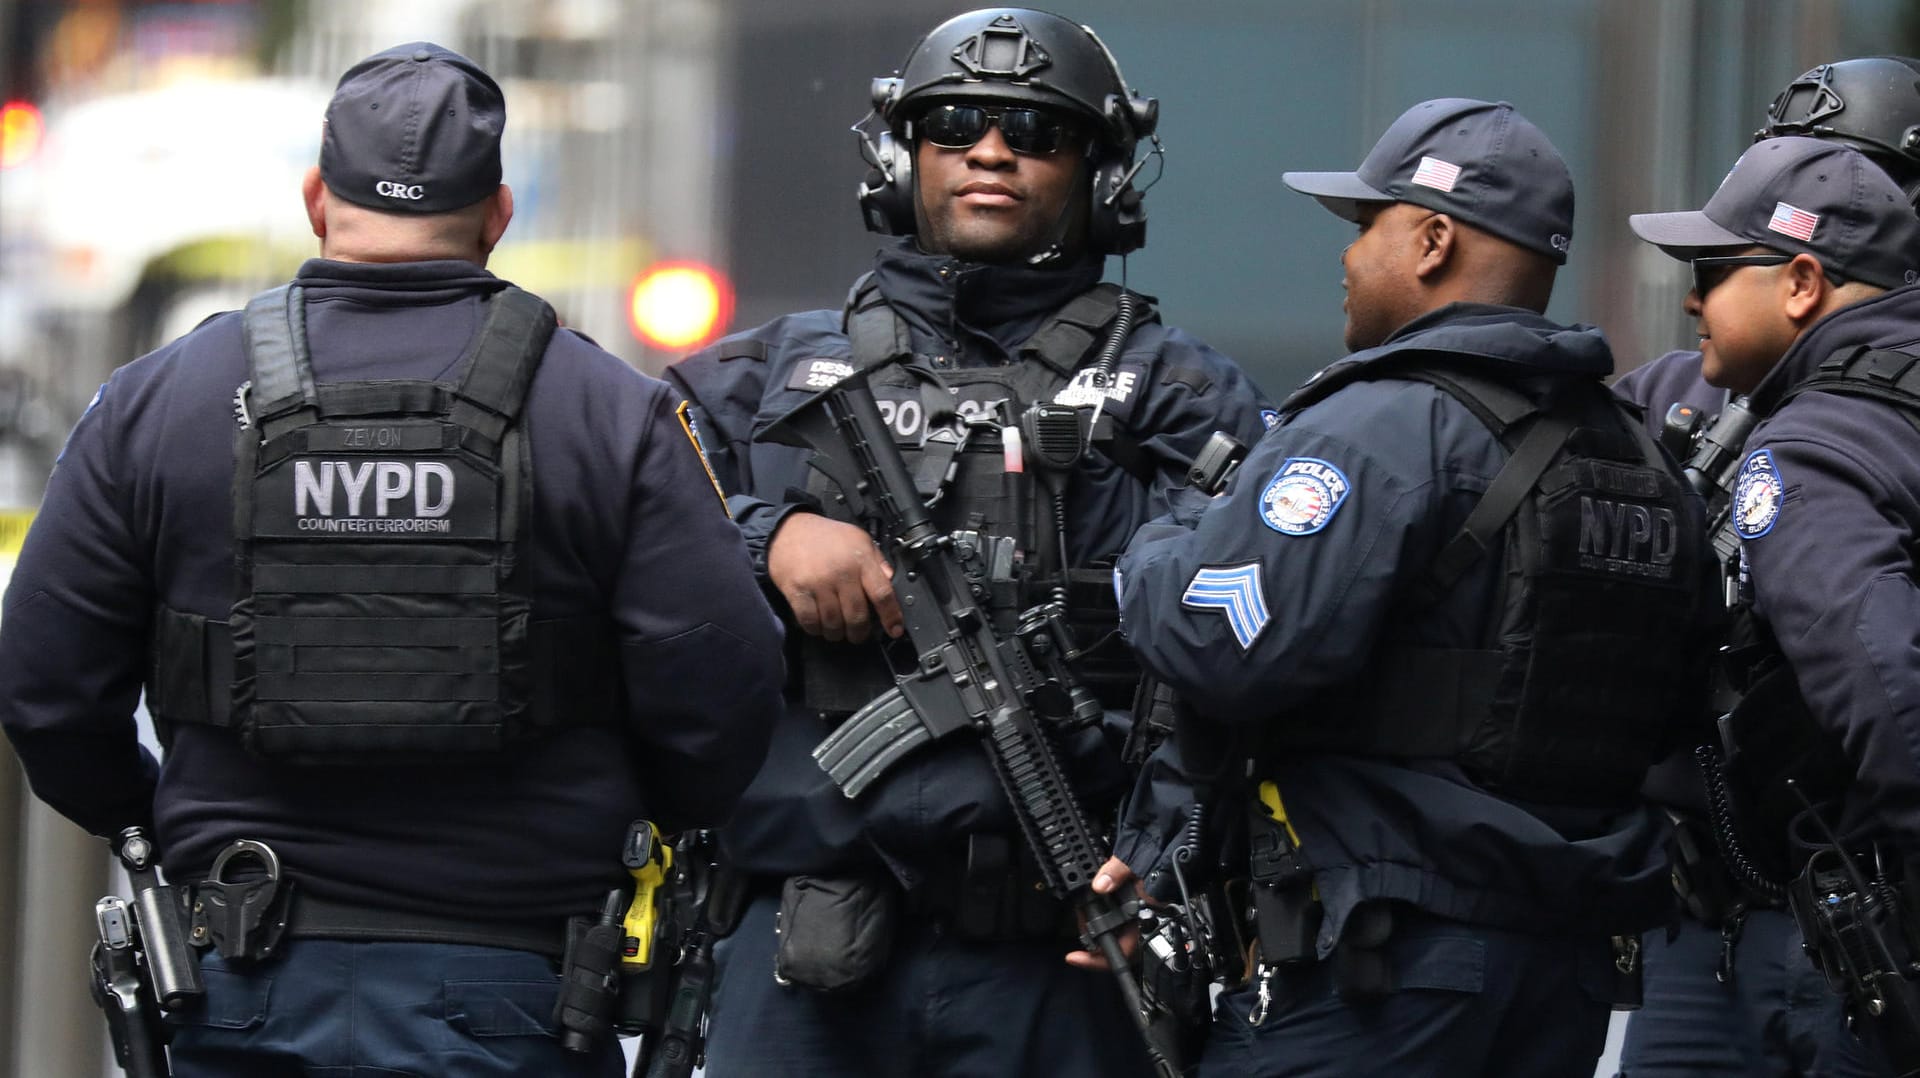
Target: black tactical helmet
[
  {"x": 1871, "y": 104},
  {"x": 1012, "y": 54}
]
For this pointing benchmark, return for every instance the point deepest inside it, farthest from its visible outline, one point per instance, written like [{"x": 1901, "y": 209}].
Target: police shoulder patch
[
  {"x": 1269, "y": 417},
  {"x": 1236, "y": 592},
  {"x": 684, "y": 413},
  {"x": 1757, "y": 495},
  {"x": 1303, "y": 496}
]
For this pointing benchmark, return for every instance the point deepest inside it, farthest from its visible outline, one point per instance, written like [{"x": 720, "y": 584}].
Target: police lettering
[
  {"x": 1082, "y": 391},
  {"x": 971, "y": 410},
  {"x": 429, "y": 482},
  {"x": 1336, "y": 483},
  {"x": 392, "y": 189},
  {"x": 903, "y": 416},
  {"x": 906, "y": 417},
  {"x": 1625, "y": 537}
]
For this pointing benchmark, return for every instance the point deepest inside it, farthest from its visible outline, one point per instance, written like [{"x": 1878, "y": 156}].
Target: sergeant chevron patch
[{"x": 1235, "y": 591}]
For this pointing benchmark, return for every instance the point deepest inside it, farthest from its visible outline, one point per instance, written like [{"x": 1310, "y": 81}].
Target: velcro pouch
[{"x": 835, "y": 931}]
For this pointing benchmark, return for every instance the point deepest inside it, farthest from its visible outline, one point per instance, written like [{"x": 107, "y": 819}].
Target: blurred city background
[{"x": 150, "y": 155}]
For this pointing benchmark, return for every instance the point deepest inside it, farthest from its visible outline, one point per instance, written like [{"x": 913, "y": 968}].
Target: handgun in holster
[
  {"x": 121, "y": 991},
  {"x": 1286, "y": 908},
  {"x": 710, "y": 897},
  {"x": 142, "y": 963}
]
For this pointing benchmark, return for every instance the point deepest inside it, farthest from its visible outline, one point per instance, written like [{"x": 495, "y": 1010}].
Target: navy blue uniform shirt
[
  {"x": 1170, "y": 392},
  {"x": 1289, "y": 583},
  {"x": 625, "y": 524},
  {"x": 1828, "y": 510},
  {"x": 1674, "y": 378}
]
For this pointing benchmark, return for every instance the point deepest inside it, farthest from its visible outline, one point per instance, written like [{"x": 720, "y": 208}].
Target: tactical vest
[
  {"x": 378, "y": 616},
  {"x": 969, "y": 487},
  {"x": 1771, "y": 733},
  {"x": 1571, "y": 693}
]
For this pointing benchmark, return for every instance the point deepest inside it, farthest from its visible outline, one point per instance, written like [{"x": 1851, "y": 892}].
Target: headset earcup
[
  {"x": 1115, "y": 225},
  {"x": 886, "y": 195}
]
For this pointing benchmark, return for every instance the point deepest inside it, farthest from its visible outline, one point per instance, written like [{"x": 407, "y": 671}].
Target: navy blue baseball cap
[
  {"x": 414, "y": 129},
  {"x": 1801, "y": 196},
  {"x": 1477, "y": 161}
]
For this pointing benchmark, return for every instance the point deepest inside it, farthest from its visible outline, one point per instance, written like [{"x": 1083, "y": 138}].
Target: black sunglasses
[
  {"x": 1709, "y": 272},
  {"x": 1034, "y": 131}
]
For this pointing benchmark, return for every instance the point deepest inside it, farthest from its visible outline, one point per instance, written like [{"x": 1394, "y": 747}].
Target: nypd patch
[
  {"x": 1269, "y": 417},
  {"x": 1303, "y": 496},
  {"x": 1757, "y": 496},
  {"x": 1236, "y": 592}
]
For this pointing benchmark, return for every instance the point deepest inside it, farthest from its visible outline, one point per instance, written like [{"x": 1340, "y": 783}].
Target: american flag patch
[
  {"x": 1794, "y": 221},
  {"x": 1436, "y": 174}
]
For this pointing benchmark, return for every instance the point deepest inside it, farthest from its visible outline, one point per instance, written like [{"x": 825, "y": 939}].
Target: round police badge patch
[
  {"x": 1302, "y": 496},
  {"x": 1269, "y": 417},
  {"x": 1757, "y": 496}
]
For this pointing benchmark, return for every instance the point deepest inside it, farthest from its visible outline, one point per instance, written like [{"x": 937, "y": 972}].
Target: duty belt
[{"x": 246, "y": 913}]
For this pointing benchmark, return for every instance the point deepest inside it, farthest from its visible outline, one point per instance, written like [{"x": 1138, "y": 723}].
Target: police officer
[
  {"x": 430, "y": 600},
  {"x": 1793, "y": 259},
  {"x": 1728, "y": 990},
  {"x": 1002, "y": 158},
  {"x": 1413, "y": 605},
  {"x": 1871, "y": 104}
]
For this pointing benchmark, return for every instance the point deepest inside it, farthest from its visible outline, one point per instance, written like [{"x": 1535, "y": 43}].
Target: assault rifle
[
  {"x": 969, "y": 676},
  {"x": 1712, "y": 455}
]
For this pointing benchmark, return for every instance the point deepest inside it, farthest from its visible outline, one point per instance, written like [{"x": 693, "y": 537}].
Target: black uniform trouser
[
  {"x": 943, "y": 1007},
  {"x": 1776, "y": 1017},
  {"x": 1470, "y": 1002},
  {"x": 344, "y": 1009}
]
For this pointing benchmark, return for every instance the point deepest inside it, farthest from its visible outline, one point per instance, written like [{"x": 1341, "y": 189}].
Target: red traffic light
[{"x": 680, "y": 306}]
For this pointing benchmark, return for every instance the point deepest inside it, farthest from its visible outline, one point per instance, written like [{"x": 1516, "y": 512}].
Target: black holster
[
  {"x": 1286, "y": 914},
  {"x": 122, "y": 992},
  {"x": 583, "y": 1011}
]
